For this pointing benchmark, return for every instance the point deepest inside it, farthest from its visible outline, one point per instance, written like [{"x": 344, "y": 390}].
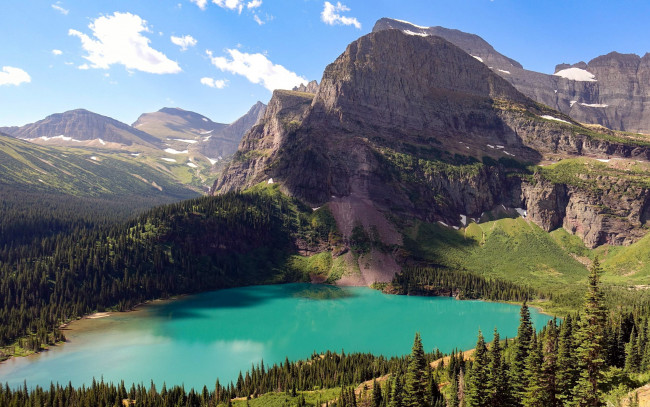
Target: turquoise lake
[{"x": 197, "y": 339}]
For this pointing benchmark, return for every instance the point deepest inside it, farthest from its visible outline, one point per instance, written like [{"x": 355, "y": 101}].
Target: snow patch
[
  {"x": 490, "y": 145},
  {"x": 456, "y": 227},
  {"x": 414, "y": 25},
  {"x": 409, "y": 32},
  {"x": 547, "y": 117},
  {"x": 463, "y": 220},
  {"x": 576, "y": 74},
  {"x": 500, "y": 147},
  {"x": 477, "y": 58},
  {"x": 172, "y": 151},
  {"x": 270, "y": 181},
  {"x": 593, "y": 105},
  {"x": 522, "y": 212},
  {"x": 213, "y": 161},
  {"x": 203, "y": 133},
  {"x": 192, "y": 165},
  {"x": 171, "y": 160},
  {"x": 501, "y": 70},
  {"x": 136, "y": 154},
  {"x": 315, "y": 209},
  {"x": 94, "y": 158},
  {"x": 61, "y": 137},
  {"x": 185, "y": 140},
  {"x": 507, "y": 153},
  {"x": 443, "y": 224},
  {"x": 206, "y": 138},
  {"x": 573, "y": 102},
  {"x": 555, "y": 90},
  {"x": 204, "y": 119},
  {"x": 102, "y": 142},
  {"x": 602, "y": 160}
]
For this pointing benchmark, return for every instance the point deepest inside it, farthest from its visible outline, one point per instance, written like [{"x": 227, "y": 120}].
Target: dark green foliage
[
  {"x": 414, "y": 389},
  {"x": 464, "y": 285},
  {"x": 518, "y": 377},
  {"x": 196, "y": 245},
  {"x": 478, "y": 392}
]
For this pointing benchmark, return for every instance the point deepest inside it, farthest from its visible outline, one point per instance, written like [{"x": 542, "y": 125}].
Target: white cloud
[
  {"x": 13, "y": 76},
  {"x": 57, "y": 6},
  {"x": 258, "y": 20},
  {"x": 230, "y": 4},
  {"x": 214, "y": 83},
  {"x": 258, "y": 69},
  {"x": 118, "y": 39},
  {"x": 331, "y": 16},
  {"x": 57, "y": 52},
  {"x": 201, "y": 3},
  {"x": 253, "y": 4},
  {"x": 184, "y": 42}
]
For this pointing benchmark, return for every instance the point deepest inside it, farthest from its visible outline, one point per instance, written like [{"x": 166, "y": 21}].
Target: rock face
[
  {"x": 412, "y": 125},
  {"x": 613, "y": 92},
  {"x": 223, "y": 142},
  {"x": 311, "y": 87},
  {"x": 82, "y": 125}
]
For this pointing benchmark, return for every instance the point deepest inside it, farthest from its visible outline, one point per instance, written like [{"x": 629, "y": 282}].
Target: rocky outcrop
[
  {"x": 171, "y": 122},
  {"x": 614, "y": 212},
  {"x": 612, "y": 90},
  {"x": 82, "y": 125},
  {"x": 311, "y": 87}
]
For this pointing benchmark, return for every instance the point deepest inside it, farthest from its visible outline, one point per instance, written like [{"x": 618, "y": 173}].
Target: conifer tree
[
  {"x": 548, "y": 345},
  {"x": 414, "y": 390},
  {"x": 397, "y": 394},
  {"x": 590, "y": 343},
  {"x": 534, "y": 395},
  {"x": 566, "y": 375},
  {"x": 377, "y": 398},
  {"x": 632, "y": 353},
  {"x": 497, "y": 375},
  {"x": 478, "y": 393},
  {"x": 522, "y": 348}
]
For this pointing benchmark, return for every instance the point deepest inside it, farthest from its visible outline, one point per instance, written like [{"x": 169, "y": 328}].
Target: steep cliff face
[
  {"x": 611, "y": 90},
  {"x": 413, "y": 126}
]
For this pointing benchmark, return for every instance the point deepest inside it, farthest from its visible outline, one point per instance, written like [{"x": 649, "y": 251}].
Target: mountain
[
  {"x": 81, "y": 127},
  {"x": 409, "y": 128},
  {"x": 223, "y": 142},
  {"x": 174, "y": 123},
  {"x": 611, "y": 90}
]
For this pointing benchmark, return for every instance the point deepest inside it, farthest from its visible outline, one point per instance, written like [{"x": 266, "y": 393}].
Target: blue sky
[{"x": 121, "y": 58}]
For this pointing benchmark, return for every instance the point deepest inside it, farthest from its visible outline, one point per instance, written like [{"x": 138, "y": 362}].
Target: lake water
[{"x": 197, "y": 339}]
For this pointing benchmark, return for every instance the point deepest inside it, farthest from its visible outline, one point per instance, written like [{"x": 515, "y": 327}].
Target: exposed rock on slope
[
  {"x": 612, "y": 90},
  {"x": 223, "y": 142},
  {"x": 80, "y": 125},
  {"x": 412, "y": 125},
  {"x": 311, "y": 87}
]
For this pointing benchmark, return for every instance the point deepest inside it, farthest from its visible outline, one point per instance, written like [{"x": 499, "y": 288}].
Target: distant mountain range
[{"x": 182, "y": 144}]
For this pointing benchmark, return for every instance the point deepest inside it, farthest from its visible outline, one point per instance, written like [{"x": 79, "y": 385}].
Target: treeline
[
  {"x": 464, "y": 285},
  {"x": 196, "y": 245}
]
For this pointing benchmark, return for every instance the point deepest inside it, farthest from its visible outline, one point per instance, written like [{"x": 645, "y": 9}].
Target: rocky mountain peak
[{"x": 311, "y": 87}]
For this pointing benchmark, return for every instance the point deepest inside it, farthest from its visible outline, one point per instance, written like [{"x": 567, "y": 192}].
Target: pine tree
[
  {"x": 522, "y": 348},
  {"x": 454, "y": 400},
  {"x": 414, "y": 390},
  {"x": 632, "y": 353},
  {"x": 548, "y": 347},
  {"x": 397, "y": 394},
  {"x": 566, "y": 375},
  {"x": 377, "y": 398},
  {"x": 478, "y": 393},
  {"x": 497, "y": 375},
  {"x": 590, "y": 343},
  {"x": 534, "y": 395}
]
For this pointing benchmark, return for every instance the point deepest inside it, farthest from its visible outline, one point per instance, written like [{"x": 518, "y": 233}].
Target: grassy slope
[{"x": 75, "y": 172}]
